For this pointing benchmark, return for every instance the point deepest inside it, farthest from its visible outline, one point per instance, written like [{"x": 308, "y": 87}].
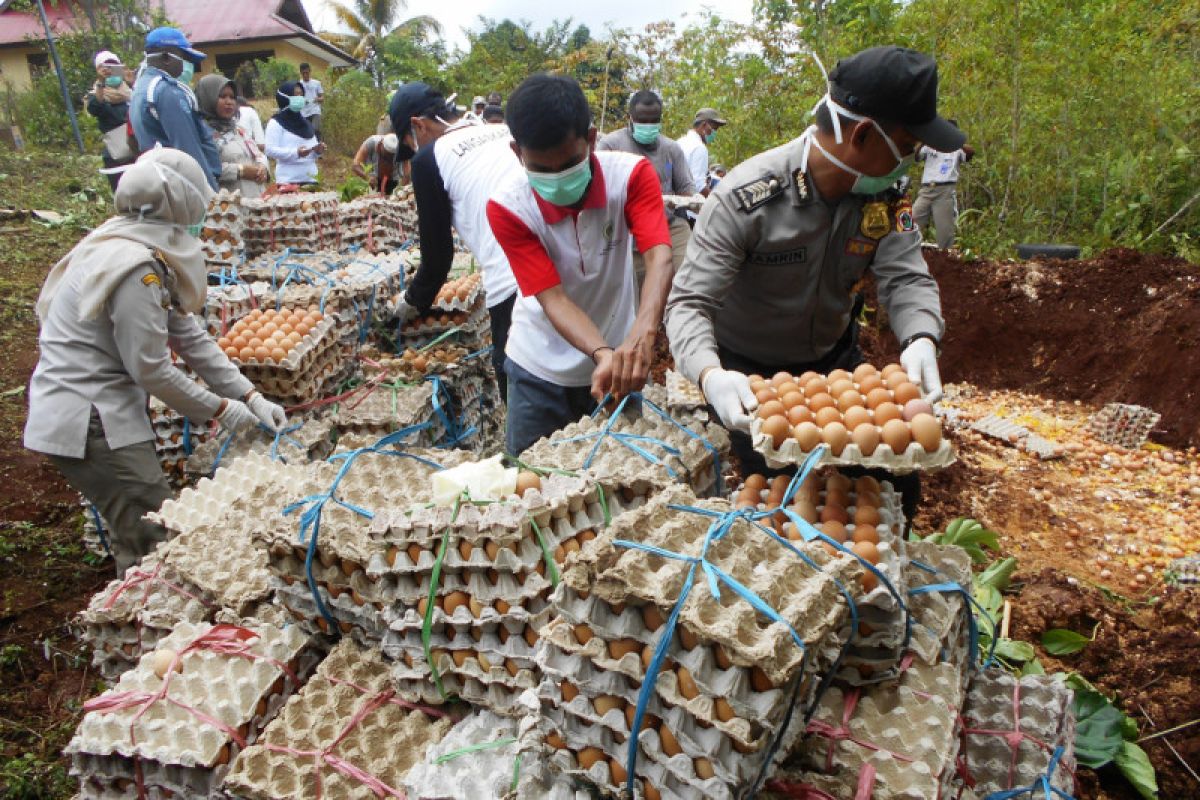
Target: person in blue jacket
[{"x": 163, "y": 110}]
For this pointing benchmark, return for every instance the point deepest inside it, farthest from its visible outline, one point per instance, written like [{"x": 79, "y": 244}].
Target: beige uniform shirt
[
  {"x": 113, "y": 361},
  {"x": 771, "y": 268}
]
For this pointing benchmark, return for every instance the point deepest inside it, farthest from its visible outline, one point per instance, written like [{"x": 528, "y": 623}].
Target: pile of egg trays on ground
[
  {"x": 312, "y": 441},
  {"x": 493, "y": 588},
  {"x": 169, "y": 440},
  {"x": 375, "y": 411},
  {"x": 615, "y": 463},
  {"x": 1124, "y": 425},
  {"x": 1045, "y": 715},
  {"x": 473, "y": 327},
  {"x": 731, "y": 676},
  {"x": 939, "y": 619},
  {"x": 303, "y": 221},
  {"x": 221, "y": 236},
  {"x": 129, "y": 616},
  {"x": 344, "y": 546},
  {"x": 178, "y": 753},
  {"x": 385, "y": 743},
  {"x": 372, "y": 223},
  {"x": 406, "y": 209},
  {"x": 306, "y": 372}
]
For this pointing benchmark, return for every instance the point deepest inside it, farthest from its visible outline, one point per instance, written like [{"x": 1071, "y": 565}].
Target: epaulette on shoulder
[{"x": 759, "y": 191}]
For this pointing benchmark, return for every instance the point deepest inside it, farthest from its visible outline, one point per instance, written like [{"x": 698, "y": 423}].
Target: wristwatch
[{"x": 922, "y": 335}]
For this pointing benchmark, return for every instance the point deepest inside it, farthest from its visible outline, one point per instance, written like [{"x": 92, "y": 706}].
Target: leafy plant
[
  {"x": 353, "y": 187},
  {"x": 1104, "y": 734},
  {"x": 970, "y": 535},
  {"x": 1062, "y": 642}
]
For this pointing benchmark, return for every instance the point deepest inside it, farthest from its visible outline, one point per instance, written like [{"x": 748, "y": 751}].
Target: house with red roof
[{"x": 229, "y": 32}]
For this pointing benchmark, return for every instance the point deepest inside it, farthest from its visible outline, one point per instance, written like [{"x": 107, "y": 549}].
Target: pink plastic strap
[
  {"x": 824, "y": 729},
  {"x": 803, "y": 791},
  {"x": 137, "y": 577}
]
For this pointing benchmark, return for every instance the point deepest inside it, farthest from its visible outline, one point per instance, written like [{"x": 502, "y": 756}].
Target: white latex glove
[
  {"x": 268, "y": 413},
  {"x": 728, "y": 392},
  {"x": 236, "y": 416},
  {"x": 919, "y": 360},
  {"x": 404, "y": 311}
]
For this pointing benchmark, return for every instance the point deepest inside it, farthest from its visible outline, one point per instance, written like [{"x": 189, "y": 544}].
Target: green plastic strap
[
  {"x": 516, "y": 772},
  {"x": 551, "y": 569},
  {"x": 604, "y": 505},
  {"x": 475, "y": 748},
  {"x": 427, "y": 624},
  {"x": 555, "y": 471},
  {"x": 439, "y": 339}
]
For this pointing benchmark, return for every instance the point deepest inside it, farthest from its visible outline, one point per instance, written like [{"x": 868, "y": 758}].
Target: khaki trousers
[
  {"x": 681, "y": 232},
  {"x": 124, "y": 485},
  {"x": 939, "y": 201}
]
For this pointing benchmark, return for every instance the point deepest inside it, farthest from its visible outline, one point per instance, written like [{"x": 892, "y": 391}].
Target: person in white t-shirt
[
  {"x": 314, "y": 96},
  {"x": 695, "y": 143},
  {"x": 251, "y": 122},
  {"x": 937, "y": 198}
]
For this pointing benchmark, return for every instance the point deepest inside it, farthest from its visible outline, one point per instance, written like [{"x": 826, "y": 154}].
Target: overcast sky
[{"x": 458, "y": 14}]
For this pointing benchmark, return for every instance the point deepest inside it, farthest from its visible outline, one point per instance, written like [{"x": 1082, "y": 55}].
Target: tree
[{"x": 370, "y": 21}]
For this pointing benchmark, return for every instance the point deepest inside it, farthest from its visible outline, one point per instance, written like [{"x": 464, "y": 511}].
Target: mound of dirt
[{"x": 1121, "y": 327}]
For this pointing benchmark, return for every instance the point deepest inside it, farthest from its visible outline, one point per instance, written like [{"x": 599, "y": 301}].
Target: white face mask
[{"x": 864, "y": 184}]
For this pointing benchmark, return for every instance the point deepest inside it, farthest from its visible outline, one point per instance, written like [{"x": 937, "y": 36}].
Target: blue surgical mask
[
  {"x": 708, "y": 137},
  {"x": 562, "y": 188},
  {"x": 865, "y": 184},
  {"x": 113, "y": 81},
  {"x": 296, "y": 103},
  {"x": 646, "y": 132}
]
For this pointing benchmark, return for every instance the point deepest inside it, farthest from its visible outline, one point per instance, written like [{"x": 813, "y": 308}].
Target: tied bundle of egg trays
[
  {"x": 304, "y": 221},
  {"x": 459, "y": 306},
  {"x": 175, "y": 438},
  {"x": 373, "y": 223},
  {"x": 731, "y": 673},
  {"x": 172, "y": 724},
  {"x": 470, "y": 584},
  {"x": 871, "y": 417},
  {"x": 221, "y": 236}
]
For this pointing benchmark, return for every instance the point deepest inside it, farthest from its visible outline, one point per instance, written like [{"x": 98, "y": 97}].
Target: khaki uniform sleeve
[
  {"x": 906, "y": 289},
  {"x": 715, "y": 254}
]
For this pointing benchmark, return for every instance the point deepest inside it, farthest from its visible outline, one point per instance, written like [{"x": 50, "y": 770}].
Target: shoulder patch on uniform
[
  {"x": 902, "y": 214},
  {"x": 751, "y": 195},
  {"x": 151, "y": 279},
  {"x": 803, "y": 187}
]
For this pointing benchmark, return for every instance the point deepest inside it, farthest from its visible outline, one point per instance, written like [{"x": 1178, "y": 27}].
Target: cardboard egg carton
[
  {"x": 1184, "y": 572},
  {"x": 346, "y": 710},
  {"x": 303, "y": 221},
  {"x": 163, "y": 736},
  {"x": 913, "y": 458},
  {"x": 373, "y": 223},
  {"x": 1124, "y": 425},
  {"x": 377, "y": 410},
  {"x": 499, "y": 693},
  {"x": 1010, "y": 432},
  {"x": 452, "y": 769},
  {"x": 311, "y": 441},
  {"x": 682, "y": 394},
  {"x": 938, "y": 618},
  {"x": 240, "y": 493},
  {"x": 301, "y": 359},
  {"x": 221, "y": 236},
  {"x": 95, "y": 530},
  {"x": 468, "y": 328},
  {"x": 614, "y": 463},
  {"x": 909, "y": 727},
  {"x": 1041, "y": 707},
  {"x": 363, "y": 623},
  {"x": 414, "y": 365}
]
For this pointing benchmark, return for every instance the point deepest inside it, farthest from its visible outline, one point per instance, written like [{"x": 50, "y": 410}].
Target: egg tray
[
  {"x": 298, "y": 361},
  {"x": 239, "y": 494},
  {"x": 488, "y": 773},
  {"x": 364, "y": 621},
  {"x": 1124, "y": 425},
  {"x": 226, "y": 305},
  {"x": 311, "y": 441},
  {"x": 682, "y": 394},
  {"x": 172, "y": 748},
  {"x": 908, "y": 730},
  {"x": 938, "y": 628},
  {"x": 441, "y": 360},
  {"x": 381, "y": 410},
  {"x": 614, "y": 463},
  {"x": 512, "y": 635},
  {"x": 1010, "y": 432},
  {"x": 1182, "y": 572},
  {"x": 438, "y": 321},
  {"x": 912, "y": 459},
  {"x": 416, "y": 685},
  {"x": 1044, "y": 715},
  {"x": 385, "y": 743}
]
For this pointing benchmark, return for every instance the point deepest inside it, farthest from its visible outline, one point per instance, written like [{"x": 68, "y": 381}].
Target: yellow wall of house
[{"x": 14, "y": 69}]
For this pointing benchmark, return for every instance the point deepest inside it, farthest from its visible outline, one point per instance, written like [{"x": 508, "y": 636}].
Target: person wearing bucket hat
[
  {"x": 783, "y": 241},
  {"x": 164, "y": 111}
]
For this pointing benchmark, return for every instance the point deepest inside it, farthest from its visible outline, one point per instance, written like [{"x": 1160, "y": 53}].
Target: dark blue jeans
[{"x": 538, "y": 408}]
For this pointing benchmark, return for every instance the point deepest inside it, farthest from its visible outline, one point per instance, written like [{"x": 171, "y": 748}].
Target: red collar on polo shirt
[{"x": 596, "y": 197}]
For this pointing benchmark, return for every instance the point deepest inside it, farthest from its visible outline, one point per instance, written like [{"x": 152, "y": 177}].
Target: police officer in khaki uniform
[{"x": 769, "y": 281}]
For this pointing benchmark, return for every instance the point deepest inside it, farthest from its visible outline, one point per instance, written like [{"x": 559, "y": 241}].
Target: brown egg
[
  {"x": 836, "y": 482},
  {"x": 721, "y": 657},
  {"x": 853, "y": 417},
  {"x": 765, "y": 395},
  {"x": 460, "y": 656},
  {"x": 723, "y": 710},
  {"x": 805, "y": 509},
  {"x": 670, "y": 745},
  {"x": 589, "y": 756},
  {"x": 453, "y": 601},
  {"x": 834, "y": 513},
  {"x": 862, "y": 371},
  {"x": 556, "y": 741},
  {"x": 890, "y": 368},
  {"x": 865, "y": 533},
  {"x": 787, "y": 387},
  {"x": 866, "y": 515},
  {"x": 866, "y": 436},
  {"x": 777, "y": 428},
  {"x": 583, "y": 634},
  {"x": 815, "y": 387},
  {"x": 877, "y": 397},
  {"x": 850, "y": 399},
  {"x": 886, "y": 412},
  {"x": 835, "y": 435},
  {"x": 758, "y": 384},
  {"x": 806, "y": 377},
  {"x": 648, "y": 720},
  {"x": 747, "y": 498},
  {"x": 895, "y": 435},
  {"x": 907, "y": 392},
  {"x": 771, "y": 408},
  {"x": 834, "y": 530},
  {"x": 704, "y": 768},
  {"x": 606, "y": 703},
  {"x": 866, "y": 483},
  {"x": 867, "y": 551},
  {"x": 759, "y": 680},
  {"x": 838, "y": 375},
  {"x": 619, "y": 648},
  {"x": 652, "y": 617},
  {"x": 807, "y": 435},
  {"x": 926, "y": 431},
  {"x": 780, "y": 378},
  {"x": 651, "y": 792},
  {"x": 687, "y": 684},
  {"x": 821, "y": 400},
  {"x": 619, "y": 775},
  {"x": 916, "y": 406},
  {"x": 687, "y": 638},
  {"x": 527, "y": 480},
  {"x": 793, "y": 399},
  {"x": 756, "y": 482},
  {"x": 896, "y": 379},
  {"x": 826, "y": 416},
  {"x": 798, "y": 414},
  {"x": 840, "y": 387},
  {"x": 870, "y": 383}
]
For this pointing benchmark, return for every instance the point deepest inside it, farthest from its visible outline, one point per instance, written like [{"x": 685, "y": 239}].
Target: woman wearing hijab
[
  {"x": 243, "y": 167},
  {"x": 291, "y": 140},
  {"x": 109, "y": 310}
]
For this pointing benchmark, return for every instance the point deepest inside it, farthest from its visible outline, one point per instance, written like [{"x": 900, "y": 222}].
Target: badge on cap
[
  {"x": 754, "y": 194},
  {"x": 902, "y": 212},
  {"x": 875, "y": 221}
]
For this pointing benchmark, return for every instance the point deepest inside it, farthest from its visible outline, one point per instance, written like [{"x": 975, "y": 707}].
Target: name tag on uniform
[
  {"x": 776, "y": 259},
  {"x": 860, "y": 247}
]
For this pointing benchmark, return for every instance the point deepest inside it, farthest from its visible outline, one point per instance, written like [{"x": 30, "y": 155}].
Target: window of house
[
  {"x": 239, "y": 68},
  {"x": 39, "y": 64}
]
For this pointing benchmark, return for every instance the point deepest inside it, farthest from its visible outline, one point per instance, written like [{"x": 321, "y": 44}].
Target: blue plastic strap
[
  {"x": 100, "y": 529},
  {"x": 950, "y": 586},
  {"x": 187, "y": 436},
  {"x": 1049, "y": 790}
]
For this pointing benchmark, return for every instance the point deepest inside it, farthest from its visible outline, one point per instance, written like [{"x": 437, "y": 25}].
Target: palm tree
[{"x": 370, "y": 21}]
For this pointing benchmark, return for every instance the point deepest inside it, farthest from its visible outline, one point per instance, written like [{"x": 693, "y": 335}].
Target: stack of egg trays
[
  {"x": 303, "y": 221},
  {"x": 177, "y": 752},
  {"x": 133, "y": 613},
  {"x": 301, "y": 376},
  {"x": 1124, "y": 425},
  {"x": 227, "y": 304},
  {"x": 174, "y": 440},
  {"x": 494, "y": 558},
  {"x": 747, "y": 671},
  {"x": 405, "y": 204},
  {"x": 907, "y": 729},
  {"x": 1044, "y": 717},
  {"x": 700, "y": 447},
  {"x": 471, "y": 328},
  {"x": 221, "y": 236},
  {"x": 95, "y": 530},
  {"x": 375, "y": 411},
  {"x": 311, "y": 441},
  {"x": 940, "y": 620},
  {"x": 344, "y": 546},
  {"x": 372, "y": 223},
  {"x": 388, "y": 740}
]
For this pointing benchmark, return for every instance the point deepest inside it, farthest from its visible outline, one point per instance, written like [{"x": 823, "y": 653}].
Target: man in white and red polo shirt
[{"x": 578, "y": 331}]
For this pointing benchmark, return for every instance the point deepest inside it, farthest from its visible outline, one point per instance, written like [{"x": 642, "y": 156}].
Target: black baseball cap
[
  {"x": 416, "y": 99},
  {"x": 895, "y": 84}
]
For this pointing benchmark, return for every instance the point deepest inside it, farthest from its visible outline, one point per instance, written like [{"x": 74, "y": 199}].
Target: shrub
[
  {"x": 270, "y": 73},
  {"x": 351, "y": 112},
  {"x": 43, "y": 117}
]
